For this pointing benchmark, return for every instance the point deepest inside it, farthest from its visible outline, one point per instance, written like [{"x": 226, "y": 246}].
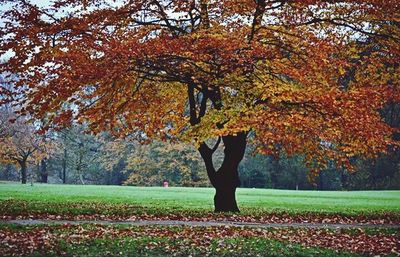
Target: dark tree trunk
[
  {"x": 226, "y": 178},
  {"x": 43, "y": 171},
  {"x": 225, "y": 199},
  {"x": 22, "y": 164},
  {"x": 64, "y": 167}
]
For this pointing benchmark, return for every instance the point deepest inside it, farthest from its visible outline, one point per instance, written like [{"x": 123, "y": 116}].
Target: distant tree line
[
  {"x": 75, "y": 157},
  {"x": 290, "y": 173}
]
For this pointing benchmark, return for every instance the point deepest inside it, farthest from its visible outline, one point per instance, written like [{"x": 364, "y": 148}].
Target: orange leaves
[
  {"x": 336, "y": 117},
  {"x": 310, "y": 79},
  {"x": 63, "y": 119},
  {"x": 19, "y": 141}
]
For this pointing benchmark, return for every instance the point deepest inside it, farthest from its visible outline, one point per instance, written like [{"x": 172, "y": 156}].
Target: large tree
[{"x": 297, "y": 76}]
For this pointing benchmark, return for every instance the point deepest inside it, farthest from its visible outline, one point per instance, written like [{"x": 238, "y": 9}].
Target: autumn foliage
[
  {"x": 301, "y": 77},
  {"x": 19, "y": 143}
]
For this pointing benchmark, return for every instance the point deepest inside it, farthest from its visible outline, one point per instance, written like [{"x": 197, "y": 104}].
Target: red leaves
[
  {"x": 267, "y": 218},
  {"x": 20, "y": 243},
  {"x": 310, "y": 78},
  {"x": 354, "y": 241},
  {"x": 63, "y": 119},
  {"x": 45, "y": 238}
]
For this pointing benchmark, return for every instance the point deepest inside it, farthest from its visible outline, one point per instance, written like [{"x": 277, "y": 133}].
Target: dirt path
[{"x": 197, "y": 224}]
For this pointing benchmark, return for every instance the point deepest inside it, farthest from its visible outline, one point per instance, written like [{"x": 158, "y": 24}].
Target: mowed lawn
[
  {"x": 90, "y": 202},
  {"x": 201, "y": 199}
]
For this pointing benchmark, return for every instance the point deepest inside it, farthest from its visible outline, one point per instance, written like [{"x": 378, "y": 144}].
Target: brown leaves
[
  {"x": 20, "y": 243},
  {"x": 358, "y": 241},
  {"x": 23, "y": 242},
  {"x": 268, "y": 218},
  {"x": 311, "y": 80},
  {"x": 19, "y": 141}
]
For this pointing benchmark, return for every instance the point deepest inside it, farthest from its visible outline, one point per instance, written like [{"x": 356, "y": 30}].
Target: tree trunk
[
  {"x": 64, "y": 167},
  {"x": 24, "y": 168},
  {"x": 225, "y": 199},
  {"x": 226, "y": 178},
  {"x": 81, "y": 179},
  {"x": 43, "y": 171}
]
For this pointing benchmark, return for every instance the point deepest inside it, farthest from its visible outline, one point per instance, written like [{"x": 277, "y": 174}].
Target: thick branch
[
  {"x": 165, "y": 18},
  {"x": 203, "y": 106},
  {"x": 192, "y": 106},
  {"x": 204, "y": 19},
  {"x": 260, "y": 9},
  {"x": 206, "y": 153},
  {"x": 216, "y": 145}
]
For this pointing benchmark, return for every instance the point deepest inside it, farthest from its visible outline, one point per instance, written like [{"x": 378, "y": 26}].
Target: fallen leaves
[
  {"x": 47, "y": 238},
  {"x": 270, "y": 218},
  {"x": 19, "y": 243}
]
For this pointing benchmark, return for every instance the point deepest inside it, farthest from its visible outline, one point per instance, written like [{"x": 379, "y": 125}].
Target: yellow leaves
[
  {"x": 312, "y": 89},
  {"x": 342, "y": 71},
  {"x": 323, "y": 125},
  {"x": 151, "y": 164},
  {"x": 19, "y": 141}
]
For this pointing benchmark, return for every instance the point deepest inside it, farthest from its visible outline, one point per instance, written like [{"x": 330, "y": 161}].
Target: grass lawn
[
  {"x": 18, "y": 200},
  {"x": 201, "y": 199}
]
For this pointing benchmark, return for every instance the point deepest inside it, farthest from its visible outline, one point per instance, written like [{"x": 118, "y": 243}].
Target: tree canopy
[{"x": 305, "y": 77}]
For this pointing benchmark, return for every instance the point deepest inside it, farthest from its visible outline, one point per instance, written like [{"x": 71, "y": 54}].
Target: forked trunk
[
  {"x": 81, "y": 179},
  {"x": 226, "y": 178}
]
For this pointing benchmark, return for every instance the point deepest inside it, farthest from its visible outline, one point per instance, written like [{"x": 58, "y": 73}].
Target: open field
[{"x": 201, "y": 199}]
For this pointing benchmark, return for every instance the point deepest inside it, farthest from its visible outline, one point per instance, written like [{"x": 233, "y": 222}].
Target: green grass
[
  {"x": 201, "y": 199},
  {"x": 17, "y": 199},
  {"x": 236, "y": 247}
]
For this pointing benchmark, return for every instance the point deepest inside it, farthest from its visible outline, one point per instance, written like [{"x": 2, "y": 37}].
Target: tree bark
[
  {"x": 81, "y": 179},
  {"x": 64, "y": 167},
  {"x": 22, "y": 164},
  {"x": 43, "y": 171},
  {"x": 226, "y": 179},
  {"x": 225, "y": 199}
]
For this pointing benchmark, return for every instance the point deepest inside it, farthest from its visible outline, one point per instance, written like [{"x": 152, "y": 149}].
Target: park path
[{"x": 198, "y": 224}]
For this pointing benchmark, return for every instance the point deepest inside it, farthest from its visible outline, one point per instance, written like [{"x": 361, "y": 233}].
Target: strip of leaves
[
  {"x": 184, "y": 241},
  {"x": 19, "y": 209}
]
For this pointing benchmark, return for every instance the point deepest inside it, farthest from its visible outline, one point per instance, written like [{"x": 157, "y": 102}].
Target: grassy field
[
  {"x": 114, "y": 202},
  {"x": 201, "y": 199}
]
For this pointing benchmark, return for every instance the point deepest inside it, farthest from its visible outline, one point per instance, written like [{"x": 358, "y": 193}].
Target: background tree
[
  {"x": 292, "y": 72},
  {"x": 19, "y": 143},
  {"x": 81, "y": 153},
  {"x": 115, "y": 158},
  {"x": 178, "y": 163},
  {"x": 42, "y": 171},
  {"x": 8, "y": 172}
]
